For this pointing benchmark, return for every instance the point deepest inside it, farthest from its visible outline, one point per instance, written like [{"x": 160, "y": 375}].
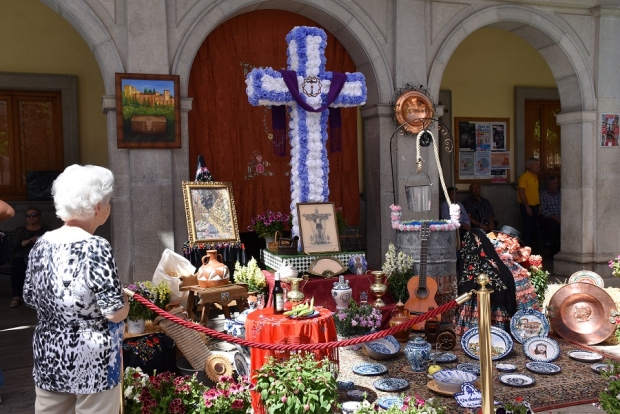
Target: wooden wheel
[{"x": 446, "y": 340}]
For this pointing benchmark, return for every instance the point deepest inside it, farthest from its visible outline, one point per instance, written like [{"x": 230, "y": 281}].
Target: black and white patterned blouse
[{"x": 72, "y": 286}]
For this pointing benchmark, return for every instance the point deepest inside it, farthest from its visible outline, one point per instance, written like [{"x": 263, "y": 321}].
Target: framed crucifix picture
[
  {"x": 210, "y": 212},
  {"x": 148, "y": 111},
  {"x": 318, "y": 227}
]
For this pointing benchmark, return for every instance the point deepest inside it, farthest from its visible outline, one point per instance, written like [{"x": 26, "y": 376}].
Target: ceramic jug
[
  {"x": 418, "y": 353},
  {"x": 296, "y": 294},
  {"x": 341, "y": 292},
  {"x": 212, "y": 270},
  {"x": 400, "y": 315}
]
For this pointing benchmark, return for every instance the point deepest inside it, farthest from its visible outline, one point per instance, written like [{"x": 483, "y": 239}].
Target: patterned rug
[{"x": 577, "y": 384}]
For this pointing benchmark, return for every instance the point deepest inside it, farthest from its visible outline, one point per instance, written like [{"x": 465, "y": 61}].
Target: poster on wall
[
  {"x": 499, "y": 176},
  {"x": 483, "y": 147},
  {"x": 610, "y": 130}
]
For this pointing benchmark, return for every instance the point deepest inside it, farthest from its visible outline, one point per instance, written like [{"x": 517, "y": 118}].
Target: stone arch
[
  {"x": 96, "y": 36},
  {"x": 548, "y": 36},
  {"x": 345, "y": 26}
]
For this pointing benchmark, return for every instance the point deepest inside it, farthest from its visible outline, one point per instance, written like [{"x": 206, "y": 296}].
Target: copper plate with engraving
[
  {"x": 580, "y": 312},
  {"x": 414, "y": 108}
]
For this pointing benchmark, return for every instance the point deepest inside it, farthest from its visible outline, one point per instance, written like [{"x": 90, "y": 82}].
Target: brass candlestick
[
  {"x": 378, "y": 288},
  {"x": 484, "y": 329}
]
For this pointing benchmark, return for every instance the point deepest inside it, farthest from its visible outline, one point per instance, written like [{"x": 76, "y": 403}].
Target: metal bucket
[{"x": 419, "y": 196}]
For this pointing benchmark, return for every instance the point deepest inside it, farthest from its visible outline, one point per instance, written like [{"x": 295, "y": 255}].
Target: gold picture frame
[
  {"x": 318, "y": 228},
  {"x": 210, "y": 212}
]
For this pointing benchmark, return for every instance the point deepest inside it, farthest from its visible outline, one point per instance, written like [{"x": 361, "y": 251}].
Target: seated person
[
  {"x": 479, "y": 209},
  {"x": 550, "y": 212},
  {"x": 445, "y": 211}
]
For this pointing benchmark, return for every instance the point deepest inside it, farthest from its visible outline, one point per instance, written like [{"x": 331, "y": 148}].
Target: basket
[
  {"x": 189, "y": 341},
  {"x": 273, "y": 246}
]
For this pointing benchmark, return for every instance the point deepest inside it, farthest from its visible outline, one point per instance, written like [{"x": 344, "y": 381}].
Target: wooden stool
[{"x": 221, "y": 296}]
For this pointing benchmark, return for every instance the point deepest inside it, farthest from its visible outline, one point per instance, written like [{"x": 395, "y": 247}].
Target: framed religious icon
[
  {"x": 210, "y": 212},
  {"x": 318, "y": 227},
  {"x": 148, "y": 111}
]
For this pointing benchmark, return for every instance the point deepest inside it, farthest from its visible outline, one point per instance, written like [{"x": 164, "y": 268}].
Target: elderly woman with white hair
[{"x": 72, "y": 282}]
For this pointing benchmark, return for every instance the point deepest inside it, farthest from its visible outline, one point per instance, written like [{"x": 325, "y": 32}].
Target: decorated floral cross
[{"x": 308, "y": 91}]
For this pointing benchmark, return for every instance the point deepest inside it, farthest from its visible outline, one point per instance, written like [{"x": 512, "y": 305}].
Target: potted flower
[
  {"x": 298, "y": 385},
  {"x": 266, "y": 224},
  {"x": 166, "y": 393},
  {"x": 411, "y": 405},
  {"x": 615, "y": 266},
  {"x": 398, "y": 268},
  {"x": 250, "y": 275},
  {"x": 138, "y": 313},
  {"x": 356, "y": 320},
  {"x": 608, "y": 398}
]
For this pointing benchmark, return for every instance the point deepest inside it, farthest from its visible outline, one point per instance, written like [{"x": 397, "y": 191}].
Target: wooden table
[
  {"x": 263, "y": 326},
  {"x": 221, "y": 296}
]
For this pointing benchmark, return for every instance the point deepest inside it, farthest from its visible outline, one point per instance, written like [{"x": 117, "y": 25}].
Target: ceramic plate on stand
[
  {"x": 545, "y": 368},
  {"x": 516, "y": 380},
  {"x": 527, "y": 323},
  {"x": 585, "y": 356},
  {"x": 501, "y": 343},
  {"x": 241, "y": 364},
  {"x": 391, "y": 384},
  {"x": 369, "y": 369},
  {"x": 587, "y": 276},
  {"x": 541, "y": 349}
]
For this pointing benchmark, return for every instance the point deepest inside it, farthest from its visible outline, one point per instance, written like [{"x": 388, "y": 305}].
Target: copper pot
[{"x": 400, "y": 315}]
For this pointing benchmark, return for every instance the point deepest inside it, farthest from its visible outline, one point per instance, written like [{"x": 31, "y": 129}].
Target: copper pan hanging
[
  {"x": 580, "y": 312},
  {"x": 415, "y": 110}
]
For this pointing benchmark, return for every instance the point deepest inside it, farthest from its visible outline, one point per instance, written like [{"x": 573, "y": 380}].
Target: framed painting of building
[
  {"x": 210, "y": 212},
  {"x": 148, "y": 111}
]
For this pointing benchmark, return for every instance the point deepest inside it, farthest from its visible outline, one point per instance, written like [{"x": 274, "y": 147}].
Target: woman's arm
[
  {"x": 6, "y": 211},
  {"x": 122, "y": 313}
]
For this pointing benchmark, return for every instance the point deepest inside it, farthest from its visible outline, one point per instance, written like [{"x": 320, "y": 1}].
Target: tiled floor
[{"x": 16, "y": 327}]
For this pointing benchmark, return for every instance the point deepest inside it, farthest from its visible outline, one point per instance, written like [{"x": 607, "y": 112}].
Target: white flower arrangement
[
  {"x": 396, "y": 263},
  {"x": 250, "y": 275}
]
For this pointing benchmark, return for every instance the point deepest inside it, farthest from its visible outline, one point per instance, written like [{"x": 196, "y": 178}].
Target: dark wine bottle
[{"x": 278, "y": 295}]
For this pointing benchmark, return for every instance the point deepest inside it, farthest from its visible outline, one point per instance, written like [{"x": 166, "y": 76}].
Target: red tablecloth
[
  {"x": 321, "y": 289},
  {"x": 264, "y": 327}
]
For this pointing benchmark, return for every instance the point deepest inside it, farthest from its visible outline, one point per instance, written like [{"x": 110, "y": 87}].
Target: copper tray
[
  {"x": 415, "y": 109},
  {"x": 580, "y": 312}
]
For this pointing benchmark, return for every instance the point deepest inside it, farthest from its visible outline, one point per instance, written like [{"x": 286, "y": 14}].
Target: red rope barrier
[{"x": 293, "y": 347}]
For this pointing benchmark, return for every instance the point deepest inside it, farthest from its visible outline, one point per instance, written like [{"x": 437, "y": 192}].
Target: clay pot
[
  {"x": 400, "y": 315},
  {"x": 212, "y": 272}
]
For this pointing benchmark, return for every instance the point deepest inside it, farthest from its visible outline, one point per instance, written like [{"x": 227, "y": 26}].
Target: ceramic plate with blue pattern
[
  {"x": 585, "y": 356},
  {"x": 388, "y": 401},
  {"x": 516, "y": 380},
  {"x": 545, "y": 368},
  {"x": 444, "y": 357},
  {"x": 391, "y": 384},
  {"x": 472, "y": 367},
  {"x": 369, "y": 369},
  {"x": 241, "y": 365},
  {"x": 528, "y": 323},
  {"x": 598, "y": 367},
  {"x": 501, "y": 343},
  {"x": 542, "y": 349}
]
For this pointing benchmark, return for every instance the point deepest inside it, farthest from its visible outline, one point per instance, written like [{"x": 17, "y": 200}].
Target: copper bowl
[
  {"x": 580, "y": 312},
  {"x": 415, "y": 110}
]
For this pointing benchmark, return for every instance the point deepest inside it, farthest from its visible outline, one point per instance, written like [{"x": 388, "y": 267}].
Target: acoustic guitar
[{"x": 421, "y": 289}]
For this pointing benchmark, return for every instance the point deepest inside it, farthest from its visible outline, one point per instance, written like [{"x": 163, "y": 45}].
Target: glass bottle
[{"x": 278, "y": 295}]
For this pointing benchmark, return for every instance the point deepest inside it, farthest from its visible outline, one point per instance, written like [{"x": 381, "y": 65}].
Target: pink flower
[
  {"x": 306, "y": 407},
  {"x": 237, "y": 405},
  {"x": 283, "y": 399},
  {"x": 260, "y": 168}
]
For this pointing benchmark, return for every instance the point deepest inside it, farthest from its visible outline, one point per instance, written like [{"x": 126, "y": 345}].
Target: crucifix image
[
  {"x": 308, "y": 91},
  {"x": 319, "y": 236}
]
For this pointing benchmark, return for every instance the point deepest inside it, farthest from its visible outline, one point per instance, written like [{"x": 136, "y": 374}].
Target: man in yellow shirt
[{"x": 529, "y": 199}]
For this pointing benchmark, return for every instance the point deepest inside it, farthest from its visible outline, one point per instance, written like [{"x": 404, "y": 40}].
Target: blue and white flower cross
[{"x": 308, "y": 91}]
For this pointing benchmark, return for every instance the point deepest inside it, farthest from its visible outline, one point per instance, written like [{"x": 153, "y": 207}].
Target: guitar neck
[{"x": 424, "y": 255}]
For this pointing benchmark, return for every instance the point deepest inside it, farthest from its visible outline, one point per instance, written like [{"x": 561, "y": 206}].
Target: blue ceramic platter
[
  {"x": 528, "y": 323},
  {"x": 472, "y": 367},
  {"x": 516, "y": 380},
  {"x": 391, "y": 384},
  {"x": 444, "y": 357},
  {"x": 501, "y": 343},
  {"x": 545, "y": 368},
  {"x": 358, "y": 264},
  {"x": 241, "y": 365},
  {"x": 542, "y": 349},
  {"x": 369, "y": 369},
  {"x": 388, "y": 401}
]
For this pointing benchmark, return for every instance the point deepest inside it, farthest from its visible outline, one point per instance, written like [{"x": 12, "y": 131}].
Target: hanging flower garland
[{"x": 434, "y": 225}]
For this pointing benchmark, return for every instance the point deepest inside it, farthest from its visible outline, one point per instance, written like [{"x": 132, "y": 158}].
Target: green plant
[
  {"x": 158, "y": 294},
  {"x": 615, "y": 266},
  {"x": 266, "y": 224},
  {"x": 357, "y": 319},
  {"x": 411, "y": 405},
  {"x": 608, "y": 399},
  {"x": 398, "y": 267},
  {"x": 341, "y": 221},
  {"x": 538, "y": 277},
  {"x": 166, "y": 393},
  {"x": 298, "y": 385},
  {"x": 250, "y": 275}
]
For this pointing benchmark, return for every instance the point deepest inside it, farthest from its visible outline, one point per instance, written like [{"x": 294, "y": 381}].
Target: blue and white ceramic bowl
[
  {"x": 382, "y": 348},
  {"x": 450, "y": 380}
]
